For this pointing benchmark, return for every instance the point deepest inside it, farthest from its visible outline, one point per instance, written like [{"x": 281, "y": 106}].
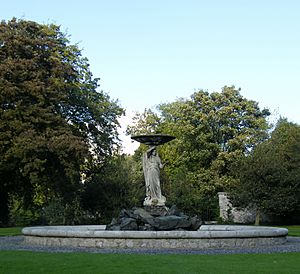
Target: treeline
[
  {"x": 60, "y": 161},
  {"x": 224, "y": 143}
]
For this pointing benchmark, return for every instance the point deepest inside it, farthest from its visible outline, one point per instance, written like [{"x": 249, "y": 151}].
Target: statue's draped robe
[{"x": 151, "y": 167}]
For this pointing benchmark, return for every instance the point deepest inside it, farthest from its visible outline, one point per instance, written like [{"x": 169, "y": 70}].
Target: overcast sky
[{"x": 148, "y": 52}]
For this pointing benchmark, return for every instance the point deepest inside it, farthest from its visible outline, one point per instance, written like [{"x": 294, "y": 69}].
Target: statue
[{"x": 151, "y": 167}]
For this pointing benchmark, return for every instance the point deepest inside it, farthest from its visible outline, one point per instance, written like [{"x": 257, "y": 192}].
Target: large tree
[
  {"x": 53, "y": 120},
  {"x": 269, "y": 177},
  {"x": 212, "y": 130}
]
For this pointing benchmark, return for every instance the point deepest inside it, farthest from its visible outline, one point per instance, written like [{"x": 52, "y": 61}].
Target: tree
[
  {"x": 53, "y": 121},
  {"x": 117, "y": 185},
  {"x": 269, "y": 178},
  {"x": 211, "y": 130}
]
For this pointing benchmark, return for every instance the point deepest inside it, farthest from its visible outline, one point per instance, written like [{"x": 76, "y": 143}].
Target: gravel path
[{"x": 17, "y": 243}]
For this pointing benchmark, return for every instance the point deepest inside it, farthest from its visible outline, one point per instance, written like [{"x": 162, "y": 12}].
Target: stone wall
[
  {"x": 168, "y": 244},
  {"x": 228, "y": 213},
  {"x": 208, "y": 236}
]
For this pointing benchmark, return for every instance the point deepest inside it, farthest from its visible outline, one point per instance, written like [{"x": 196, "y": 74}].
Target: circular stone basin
[
  {"x": 208, "y": 236},
  {"x": 153, "y": 139}
]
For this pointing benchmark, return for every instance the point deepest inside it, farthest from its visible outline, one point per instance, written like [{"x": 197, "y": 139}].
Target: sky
[{"x": 149, "y": 52}]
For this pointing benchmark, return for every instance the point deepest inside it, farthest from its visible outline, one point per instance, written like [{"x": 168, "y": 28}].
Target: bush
[
  {"x": 59, "y": 213},
  {"x": 20, "y": 216}
]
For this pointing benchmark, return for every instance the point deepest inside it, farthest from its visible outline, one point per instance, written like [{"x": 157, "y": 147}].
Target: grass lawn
[
  {"x": 34, "y": 262},
  {"x": 10, "y": 231},
  {"x": 294, "y": 230}
]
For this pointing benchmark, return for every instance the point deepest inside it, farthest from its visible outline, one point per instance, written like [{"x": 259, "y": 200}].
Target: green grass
[
  {"x": 294, "y": 230},
  {"x": 33, "y": 262},
  {"x": 10, "y": 231}
]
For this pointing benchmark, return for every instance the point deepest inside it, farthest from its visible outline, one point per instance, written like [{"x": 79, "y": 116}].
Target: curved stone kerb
[{"x": 205, "y": 232}]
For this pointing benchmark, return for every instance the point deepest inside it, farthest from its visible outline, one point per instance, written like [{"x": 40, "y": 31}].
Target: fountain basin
[{"x": 208, "y": 236}]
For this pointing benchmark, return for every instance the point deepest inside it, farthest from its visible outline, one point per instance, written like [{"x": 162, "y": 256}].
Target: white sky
[{"x": 151, "y": 52}]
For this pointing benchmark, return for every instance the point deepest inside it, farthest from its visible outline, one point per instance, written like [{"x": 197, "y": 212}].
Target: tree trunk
[{"x": 257, "y": 217}]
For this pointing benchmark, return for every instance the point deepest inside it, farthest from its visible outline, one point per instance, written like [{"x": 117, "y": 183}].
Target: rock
[
  {"x": 142, "y": 214},
  {"x": 171, "y": 222},
  {"x": 113, "y": 228},
  {"x": 142, "y": 219},
  {"x": 146, "y": 227},
  {"x": 157, "y": 211},
  {"x": 196, "y": 223},
  {"x": 124, "y": 213},
  {"x": 114, "y": 225},
  {"x": 128, "y": 224}
]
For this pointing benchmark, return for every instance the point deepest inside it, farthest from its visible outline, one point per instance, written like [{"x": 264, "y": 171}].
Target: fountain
[
  {"x": 154, "y": 216},
  {"x": 155, "y": 226}
]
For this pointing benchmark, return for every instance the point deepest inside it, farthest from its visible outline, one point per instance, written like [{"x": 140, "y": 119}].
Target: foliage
[
  {"x": 53, "y": 213},
  {"x": 54, "y": 123},
  {"x": 42, "y": 262},
  {"x": 269, "y": 178},
  {"x": 112, "y": 188},
  {"x": 19, "y": 215},
  {"x": 212, "y": 130},
  {"x": 59, "y": 213}
]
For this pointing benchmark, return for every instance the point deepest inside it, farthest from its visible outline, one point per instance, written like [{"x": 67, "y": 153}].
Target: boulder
[
  {"x": 171, "y": 222},
  {"x": 143, "y": 216},
  {"x": 128, "y": 224},
  {"x": 195, "y": 223},
  {"x": 144, "y": 220}
]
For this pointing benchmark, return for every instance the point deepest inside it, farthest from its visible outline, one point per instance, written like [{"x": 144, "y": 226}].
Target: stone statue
[
  {"x": 154, "y": 200},
  {"x": 151, "y": 167}
]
